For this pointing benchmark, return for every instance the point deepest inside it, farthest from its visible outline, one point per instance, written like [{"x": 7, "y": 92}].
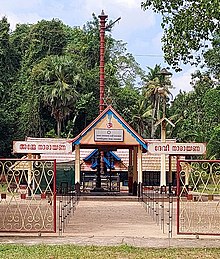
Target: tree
[
  {"x": 141, "y": 117},
  {"x": 20, "y": 40},
  {"x": 32, "y": 43},
  {"x": 212, "y": 117},
  {"x": 47, "y": 65},
  {"x": 122, "y": 72},
  {"x": 124, "y": 66},
  {"x": 57, "y": 78},
  {"x": 157, "y": 91},
  {"x": 213, "y": 147},
  {"x": 8, "y": 60},
  {"x": 9, "y": 70},
  {"x": 199, "y": 111},
  {"x": 188, "y": 27},
  {"x": 212, "y": 57},
  {"x": 45, "y": 38},
  {"x": 7, "y": 128}
]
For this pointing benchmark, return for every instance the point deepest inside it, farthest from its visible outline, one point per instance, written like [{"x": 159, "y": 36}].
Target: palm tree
[
  {"x": 157, "y": 91},
  {"x": 59, "y": 79},
  {"x": 141, "y": 115}
]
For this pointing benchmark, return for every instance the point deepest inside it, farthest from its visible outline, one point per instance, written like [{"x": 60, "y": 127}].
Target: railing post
[
  {"x": 170, "y": 216},
  {"x": 60, "y": 217}
]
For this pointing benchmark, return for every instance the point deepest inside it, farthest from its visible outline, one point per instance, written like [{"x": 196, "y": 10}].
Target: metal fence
[
  {"x": 161, "y": 205},
  {"x": 67, "y": 202},
  {"x": 27, "y": 195},
  {"x": 198, "y": 203}
]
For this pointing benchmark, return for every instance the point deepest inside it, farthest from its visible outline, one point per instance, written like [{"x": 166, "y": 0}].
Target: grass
[
  {"x": 3, "y": 188},
  {"x": 98, "y": 252}
]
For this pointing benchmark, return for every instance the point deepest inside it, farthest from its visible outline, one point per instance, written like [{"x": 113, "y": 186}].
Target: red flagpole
[{"x": 102, "y": 18}]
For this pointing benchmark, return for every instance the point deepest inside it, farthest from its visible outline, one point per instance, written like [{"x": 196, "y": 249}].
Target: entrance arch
[{"x": 110, "y": 132}]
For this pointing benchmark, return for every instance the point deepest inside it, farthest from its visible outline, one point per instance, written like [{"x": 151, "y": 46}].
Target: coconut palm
[
  {"x": 157, "y": 90},
  {"x": 141, "y": 115}
]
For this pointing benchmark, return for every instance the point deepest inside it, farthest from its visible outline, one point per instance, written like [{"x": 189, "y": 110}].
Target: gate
[
  {"x": 28, "y": 195},
  {"x": 198, "y": 197}
]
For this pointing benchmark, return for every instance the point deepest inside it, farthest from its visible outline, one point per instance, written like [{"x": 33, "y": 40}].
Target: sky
[{"x": 139, "y": 29}]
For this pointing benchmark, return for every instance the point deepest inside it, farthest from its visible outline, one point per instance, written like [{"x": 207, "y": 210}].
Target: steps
[{"x": 107, "y": 196}]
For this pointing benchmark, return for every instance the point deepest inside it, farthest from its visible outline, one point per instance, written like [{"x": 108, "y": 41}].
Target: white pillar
[
  {"x": 139, "y": 164},
  {"x": 163, "y": 156},
  {"x": 163, "y": 170},
  {"x": 77, "y": 164},
  {"x": 187, "y": 173},
  {"x": 30, "y": 168}
]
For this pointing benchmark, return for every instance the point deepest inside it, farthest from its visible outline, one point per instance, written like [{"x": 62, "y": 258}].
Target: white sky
[{"x": 139, "y": 29}]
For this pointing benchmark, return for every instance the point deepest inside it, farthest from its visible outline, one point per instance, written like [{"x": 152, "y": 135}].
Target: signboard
[
  {"x": 109, "y": 135},
  {"x": 36, "y": 147},
  {"x": 170, "y": 148}
]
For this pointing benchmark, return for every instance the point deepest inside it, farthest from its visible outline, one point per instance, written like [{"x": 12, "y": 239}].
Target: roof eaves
[{"x": 90, "y": 155}]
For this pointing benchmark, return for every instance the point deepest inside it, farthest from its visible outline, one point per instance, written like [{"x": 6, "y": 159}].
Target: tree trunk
[
  {"x": 73, "y": 124},
  {"x": 59, "y": 128},
  {"x": 154, "y": 112}
]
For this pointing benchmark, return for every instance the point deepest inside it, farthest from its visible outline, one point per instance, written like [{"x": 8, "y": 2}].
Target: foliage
[
  {"x": 188, "y": 27},
  {"x": 212, "y": 57},
  {"x": 124, "y": 100},
  {"x": 49, "y": 85},
  {"x": 45, "y": 38},
  {"x": 57, "y": 78},
  {"x": 50, "y": 78},
  {"x": 8, "y": 59},
  {"x": 9, "y": 69},
  {"x": 7, "y": 129},
  {"x": 156, "y": 90},
  {"x": 141, "y": 118},
  {"x": 198, "y": 113},
  {"x": 213, "y": 147}
]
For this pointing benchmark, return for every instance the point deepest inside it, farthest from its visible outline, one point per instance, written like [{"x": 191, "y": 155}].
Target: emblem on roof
[{"x": 109, "y": 124}]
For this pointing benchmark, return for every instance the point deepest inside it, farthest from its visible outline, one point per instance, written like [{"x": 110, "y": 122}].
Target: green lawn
[{"x": 95, "y": 252}]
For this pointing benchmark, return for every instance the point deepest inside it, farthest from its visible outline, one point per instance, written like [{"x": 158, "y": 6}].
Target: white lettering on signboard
[
  {"x": 177, "y": 148},
  {"x": 109, "y": 135},
  {"x": 40, "y": 148}
]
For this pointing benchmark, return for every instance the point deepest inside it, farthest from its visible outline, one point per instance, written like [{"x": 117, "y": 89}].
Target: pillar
[
  {"x": 77, "y": 164},
  {"x": 139, "y": 165},
  {"x": 163, "y": 156},
  {"x": 170, "y": 174},
  {"x": 135, "y": 174},
  {"x": 102, "y": 18},
  {"x": 130, "y": 172},
  {"x": 187, "y": 173},
  {"x": 29, "y": 175}
]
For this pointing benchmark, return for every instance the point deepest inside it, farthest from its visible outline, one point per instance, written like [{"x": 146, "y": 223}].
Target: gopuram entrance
[{"x": 106, "y": 134}]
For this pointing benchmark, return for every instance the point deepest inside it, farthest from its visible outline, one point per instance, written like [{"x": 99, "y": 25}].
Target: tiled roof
[{"x": 149, "y": 162}]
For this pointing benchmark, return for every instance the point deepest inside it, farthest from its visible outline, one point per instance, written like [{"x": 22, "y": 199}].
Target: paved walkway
[
  {"x": 113, "y": 223},
  {"x": 112, "y": 218}
]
